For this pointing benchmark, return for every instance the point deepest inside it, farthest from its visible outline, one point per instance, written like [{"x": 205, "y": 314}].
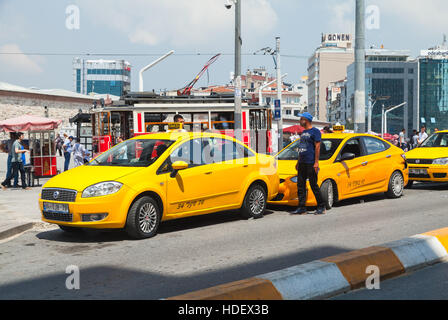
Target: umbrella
[
  {"x": 294, "y": 129},
  {"x": 29, "y": 123}
]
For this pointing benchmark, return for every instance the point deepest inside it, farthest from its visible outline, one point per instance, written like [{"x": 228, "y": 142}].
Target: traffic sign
[{"x": 277, "y": 110}]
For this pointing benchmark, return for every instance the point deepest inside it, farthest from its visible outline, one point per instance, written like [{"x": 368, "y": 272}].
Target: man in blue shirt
[
  {"x": 67, "y": 146},
  {"x": 308, "y": 164}
]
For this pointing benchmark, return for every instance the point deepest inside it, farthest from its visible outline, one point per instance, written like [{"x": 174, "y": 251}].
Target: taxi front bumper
[
  {"x": 428, "y": 172},
  {"x": 116, "y": 207}
]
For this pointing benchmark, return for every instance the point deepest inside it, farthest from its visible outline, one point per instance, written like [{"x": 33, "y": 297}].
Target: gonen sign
[{"x": 336, "y": 37}]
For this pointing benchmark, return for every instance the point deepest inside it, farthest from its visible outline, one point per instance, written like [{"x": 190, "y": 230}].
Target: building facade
[
  {"x": 327, "y": 64},
  {"x": 391, "y": 79},
  {"x": 101, "y": 76},
  {"x": 433, "y": 92}
]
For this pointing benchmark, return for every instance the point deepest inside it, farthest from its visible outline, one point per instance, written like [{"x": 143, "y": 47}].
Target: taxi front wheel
[
  {"x": 254, "y": 202},
  {"x": 143, "y": 218},
  {"x": 396, "y": 185}
]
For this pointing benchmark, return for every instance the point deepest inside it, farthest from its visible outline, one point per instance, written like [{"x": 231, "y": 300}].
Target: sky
[{"x": 195, "y": 29}]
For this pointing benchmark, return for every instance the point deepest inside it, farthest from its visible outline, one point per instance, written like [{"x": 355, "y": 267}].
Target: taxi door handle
[
  {"x": 245, "y": 166},
  {"x": 365, "y": 163},
  {"x": 209, "y": 172},
  {"x": 388, "y": 156}
]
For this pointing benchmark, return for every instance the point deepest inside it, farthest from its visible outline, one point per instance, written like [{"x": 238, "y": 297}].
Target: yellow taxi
[
  {"x": 429, "y": 162},
  {"x": 156, "y": 177},
  {"x": 351, "y": 165}
]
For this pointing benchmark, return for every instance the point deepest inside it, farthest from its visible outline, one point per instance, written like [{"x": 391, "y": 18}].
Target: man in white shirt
[
  {"x": 422, "y": 135},
  {"x": 402, "y": 139}
]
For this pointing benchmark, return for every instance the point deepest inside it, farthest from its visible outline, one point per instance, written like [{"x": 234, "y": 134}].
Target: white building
[{"x": 101, "y": 76}]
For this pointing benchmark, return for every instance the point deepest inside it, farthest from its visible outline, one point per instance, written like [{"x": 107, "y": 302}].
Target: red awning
[
  {"x": 29, "y": 123},
  {"x": 294, "y": 129}
]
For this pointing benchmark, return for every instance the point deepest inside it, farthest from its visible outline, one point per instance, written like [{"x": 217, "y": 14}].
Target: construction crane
[{"x": 186, "y": 91}]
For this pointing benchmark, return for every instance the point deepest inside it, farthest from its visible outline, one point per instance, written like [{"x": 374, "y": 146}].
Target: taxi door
[
  {"x": 350, "y": 173},
  {"x": 378, "y": 167},
  {"x": 191, "y": 189},
  {"x": 230, "y": 169}
]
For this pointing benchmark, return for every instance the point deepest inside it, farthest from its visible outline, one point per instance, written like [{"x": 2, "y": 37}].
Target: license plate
[
  {"x": 56, "y": 207},
  {"x": 418, "y": 171}
]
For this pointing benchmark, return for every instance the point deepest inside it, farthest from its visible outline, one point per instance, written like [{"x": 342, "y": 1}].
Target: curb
[
  {"x": 16, "y": 230},
  {"x": 334, "y": 275}
]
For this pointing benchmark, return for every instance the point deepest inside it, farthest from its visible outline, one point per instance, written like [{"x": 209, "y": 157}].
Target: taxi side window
[
  {"x": 219, "y": 150},
  {"x": 351, "y": 146},
  {"x": 374, "y": 145},
  {"x": 189, "y": 152}
]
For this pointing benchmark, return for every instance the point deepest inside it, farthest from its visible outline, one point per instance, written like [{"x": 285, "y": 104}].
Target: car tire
[
  {"x": 327, "y": 191},
  {"x": 143, "y": 218},
  {"x": 409, "y": 185},
  {"x": 254, "y": 202},
  {"x": 70, "y": 229},
  {"x": 396, "y": 185}
]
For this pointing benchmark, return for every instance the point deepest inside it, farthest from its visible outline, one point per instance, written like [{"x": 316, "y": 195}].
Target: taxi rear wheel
[
  {"x": 254, "y": 202},
  {"x": 396, "y": 185},
  {"x": 143, "y": 218},
  {"x": 327, "y": 191}
]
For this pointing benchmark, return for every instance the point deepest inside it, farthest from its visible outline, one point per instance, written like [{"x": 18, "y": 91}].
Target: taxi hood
[
  {"x": 81, "y": 177},
  {"x": 427, "y": 153}
]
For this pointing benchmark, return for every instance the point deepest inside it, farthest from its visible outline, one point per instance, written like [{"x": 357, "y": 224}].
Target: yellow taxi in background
[
  {"x": 148, "y": 179},
  {"x": 429, "y": 162},
  {"x": 351, "y": 165}
]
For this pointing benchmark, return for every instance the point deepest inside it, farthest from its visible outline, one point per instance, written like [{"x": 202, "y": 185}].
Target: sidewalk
[{"x": 19, "y": 209}]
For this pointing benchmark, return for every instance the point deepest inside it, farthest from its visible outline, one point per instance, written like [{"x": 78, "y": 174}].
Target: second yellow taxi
[
  {"x": 147, "y": 179},
  {"x": 351, "y": 165}
]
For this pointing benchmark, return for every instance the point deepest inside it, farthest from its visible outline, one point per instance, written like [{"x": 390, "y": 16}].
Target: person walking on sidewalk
[
  {"x": 79, "y": 153},
  {"x": 308, "y": 164},
  {"x": 67, "y": 151},
  {"x": 17, "y": 163},
  {"x": 11, "y": 140}
]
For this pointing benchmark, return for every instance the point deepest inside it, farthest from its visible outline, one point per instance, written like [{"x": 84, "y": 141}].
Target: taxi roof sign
[
  {"x": 175, "y": 126},
  {"x": 339, "y": 128}
]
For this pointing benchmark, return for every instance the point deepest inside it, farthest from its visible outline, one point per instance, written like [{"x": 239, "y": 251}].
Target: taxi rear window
[{"x": 327, "y": 149}]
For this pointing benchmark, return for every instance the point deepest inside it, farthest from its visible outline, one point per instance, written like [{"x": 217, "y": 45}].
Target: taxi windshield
[
  {"x": 327, "y": 149},
  {"x": 133, "y": 153},
  {"x": 437, "y": 140}
]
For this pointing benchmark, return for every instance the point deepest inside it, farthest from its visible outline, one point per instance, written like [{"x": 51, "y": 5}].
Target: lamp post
[
  {"x": 237, "y": 74},
  {"x": 384, "y": 117},
  {"x": 370, "y": 108}
]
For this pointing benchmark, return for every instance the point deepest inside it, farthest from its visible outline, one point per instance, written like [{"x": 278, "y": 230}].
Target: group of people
[
  {"x": 16, "y": 162},
  {"x": 416, "y": 140},
  {"x": 67, "y": 147}
]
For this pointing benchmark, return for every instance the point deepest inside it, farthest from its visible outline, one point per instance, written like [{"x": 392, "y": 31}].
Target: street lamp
[
  {"x": 370, "y": 108},
  {"x": 237, "y": 76},
  {"x": 384, "y": 117}
]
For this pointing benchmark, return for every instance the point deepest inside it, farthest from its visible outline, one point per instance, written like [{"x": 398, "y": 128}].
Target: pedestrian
[
  {"x": 17, "y": 163},
  {"x": 422, "y": 135},
  {"x": 79, "y": 153},
  {"x": 308, "y": 164},
  {"x": 414, "y": 139},
  {"x": 58, "y": 143},
  {"x": 436, "y": 130},
  {"x": 401, "y": 139},
  {"x": 123, "y": 151},
  {"x": 12, "y": 138},
  {"x": 67, "y": 146}
]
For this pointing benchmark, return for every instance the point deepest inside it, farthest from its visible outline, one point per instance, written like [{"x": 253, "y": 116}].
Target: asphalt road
[{"x": 204, "y": 251}]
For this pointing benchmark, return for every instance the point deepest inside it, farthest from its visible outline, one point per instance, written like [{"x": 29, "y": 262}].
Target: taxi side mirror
[
  {"x": 348, "y": 156},
  {"x": 178, "y": 165}
]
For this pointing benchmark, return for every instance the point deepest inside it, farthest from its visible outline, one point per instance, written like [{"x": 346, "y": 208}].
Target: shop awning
[
  {"x": 294, "y": 129},
  {"x": 29, "y": 123}
]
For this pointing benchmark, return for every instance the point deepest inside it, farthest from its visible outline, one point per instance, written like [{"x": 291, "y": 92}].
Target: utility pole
[
  {"x": 360, "y": 70},
  {"x": 279, "y": 93},
  {"x": 237, "y": 81}
]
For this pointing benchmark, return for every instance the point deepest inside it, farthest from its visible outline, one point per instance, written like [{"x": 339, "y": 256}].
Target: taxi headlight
[
  {"x": 293, "y": 179},
  {"x": 442, "y": 161},
  {"x": 102, "y": 189}
]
